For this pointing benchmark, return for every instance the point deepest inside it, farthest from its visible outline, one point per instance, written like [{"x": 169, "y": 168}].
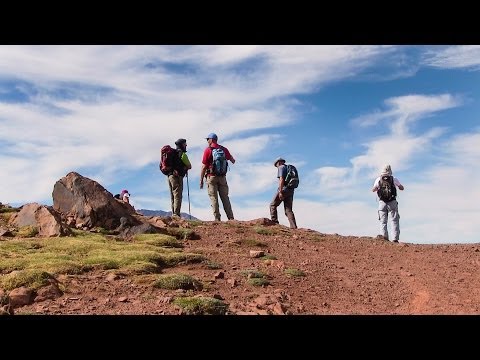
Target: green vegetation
[
  {"x": 194, "y": 223},
  {"x": 319, "y": 237},
  {"x": 9, "y": 210},
  {"x": 86, "y": 251},
  {"x": 212, "y": 265},
  {"x": 158, "y": 240},
  {"x": 201, "y": 305},
  {"x": 31, "y": 278},
  {"x": 291, "y": 272},
  {"x": 177, "y": 281},
  {"x": 27, "y": 231},
  {"x": 258, "y": 282},
  {"x": 268, "y": 257},
  {"x": 252, "y": 273},
  {"x": 263, "y": 231},
  {"x": 183, "y": 233},
  {"x": 253, "y": 242}
]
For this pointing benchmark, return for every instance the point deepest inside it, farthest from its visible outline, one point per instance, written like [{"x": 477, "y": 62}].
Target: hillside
[{"x": 304, "y": 272}]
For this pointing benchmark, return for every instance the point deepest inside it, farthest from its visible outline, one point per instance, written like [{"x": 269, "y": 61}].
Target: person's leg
[
  {"x": 172, "y": 198},
  {"x": 395, "y": 216},
  {"x": 223, "y": 191},
  {"x": 288, "y": 205},
  {"x": 383, "y": 217},
  {"x": 177, "y": 186},
  {"x": 213, "y": 194},
  {"x": 273, "y": 208}
]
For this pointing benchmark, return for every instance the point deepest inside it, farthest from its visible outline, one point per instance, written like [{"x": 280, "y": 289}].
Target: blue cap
[{"x": 212, "y": 136}]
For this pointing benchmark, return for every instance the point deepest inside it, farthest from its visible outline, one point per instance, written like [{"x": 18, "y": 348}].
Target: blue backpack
[{"x": 220, "y": 164}]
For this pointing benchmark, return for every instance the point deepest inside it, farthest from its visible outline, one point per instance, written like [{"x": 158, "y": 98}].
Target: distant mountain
[{"x": 164, "y": 214}]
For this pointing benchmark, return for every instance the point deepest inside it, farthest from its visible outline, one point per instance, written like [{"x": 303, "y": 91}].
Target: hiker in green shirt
[{"x": 175, "y": 179}]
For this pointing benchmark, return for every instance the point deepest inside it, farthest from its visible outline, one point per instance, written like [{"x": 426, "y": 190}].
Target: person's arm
[
  {"x": 281, "y": 182},
  {"x": 202, "y": 175},
  {"x": 375, "y": 186},
  {"x": 186, "y": 161},
  {"x": 397, "y": 183}
]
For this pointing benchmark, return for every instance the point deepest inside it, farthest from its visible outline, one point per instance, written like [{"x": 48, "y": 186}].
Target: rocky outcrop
[
  {"x": 84, "y": 203},
  {"x": 43, "y": 218}
]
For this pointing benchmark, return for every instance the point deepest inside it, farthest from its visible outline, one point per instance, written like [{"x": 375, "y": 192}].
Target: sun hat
[{"x": 278, "y": 159}]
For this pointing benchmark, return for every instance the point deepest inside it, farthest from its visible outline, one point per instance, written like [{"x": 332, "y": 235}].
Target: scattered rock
[
  {"x": 219, "y": 275},
  {"x": 232, "y": 282},
  {"x": 256, "y": 253},
  {"x": 21, "y": 296}
]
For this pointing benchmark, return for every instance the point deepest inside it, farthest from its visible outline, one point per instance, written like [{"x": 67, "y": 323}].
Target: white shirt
[{"x": 377, "y": 183}]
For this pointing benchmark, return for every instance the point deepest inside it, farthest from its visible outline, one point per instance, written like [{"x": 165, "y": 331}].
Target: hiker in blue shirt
[{"x": 284, "y": 194}]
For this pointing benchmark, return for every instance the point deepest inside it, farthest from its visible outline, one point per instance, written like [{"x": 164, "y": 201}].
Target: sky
[{"x": 338, "y": 113}]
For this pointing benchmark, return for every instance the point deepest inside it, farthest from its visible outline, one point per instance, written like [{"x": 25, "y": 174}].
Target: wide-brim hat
[{"x": 278, "y": 159}]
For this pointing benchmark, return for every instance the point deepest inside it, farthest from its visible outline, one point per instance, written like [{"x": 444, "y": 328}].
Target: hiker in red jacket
[{"x": 214, "y": 168}]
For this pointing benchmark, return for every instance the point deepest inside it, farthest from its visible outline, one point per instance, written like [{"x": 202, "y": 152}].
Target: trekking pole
[{"x": 188, "y": 193}]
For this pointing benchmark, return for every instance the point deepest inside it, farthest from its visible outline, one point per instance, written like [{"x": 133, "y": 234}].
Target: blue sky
[{"x": 339, "y": 113}]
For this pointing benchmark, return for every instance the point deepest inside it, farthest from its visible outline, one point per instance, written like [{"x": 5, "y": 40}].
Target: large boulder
[
  {"x": 44, "y": 218},
  {"x": 85, "y": 203}
]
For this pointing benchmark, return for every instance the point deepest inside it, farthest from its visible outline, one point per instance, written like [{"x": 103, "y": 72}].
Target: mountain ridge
[{"x": 147, "y": 212}]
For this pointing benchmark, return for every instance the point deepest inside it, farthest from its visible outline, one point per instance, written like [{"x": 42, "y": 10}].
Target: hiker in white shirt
[{"x": 385, "y": 186}]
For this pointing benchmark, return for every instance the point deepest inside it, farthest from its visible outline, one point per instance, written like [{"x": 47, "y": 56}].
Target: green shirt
[{"x": 185, "y": 160}]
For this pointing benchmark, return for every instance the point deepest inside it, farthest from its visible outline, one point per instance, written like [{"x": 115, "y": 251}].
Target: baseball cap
[{"x": 212, "y": 136}]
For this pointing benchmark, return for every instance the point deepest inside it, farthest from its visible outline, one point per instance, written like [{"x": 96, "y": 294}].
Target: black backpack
[
  {"x": 387, "y": 190},
  {"x": 292, "y": 180}
]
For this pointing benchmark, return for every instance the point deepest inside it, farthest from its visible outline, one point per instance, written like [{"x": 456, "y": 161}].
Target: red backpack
[{"x": 170, "y": 160}]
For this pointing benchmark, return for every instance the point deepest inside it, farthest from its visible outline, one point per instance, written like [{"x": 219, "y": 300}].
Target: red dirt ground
[{"x": 343, "y": 275}]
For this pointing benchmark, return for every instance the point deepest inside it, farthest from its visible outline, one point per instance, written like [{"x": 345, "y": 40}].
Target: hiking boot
[
  {"x": 395, "y": 241},
  {"x": 381, "y": 237}
]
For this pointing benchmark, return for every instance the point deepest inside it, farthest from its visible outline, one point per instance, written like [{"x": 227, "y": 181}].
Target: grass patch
[
  {"x": 158, "y": 240},
  {"x": 29, "y": 278},
  {"x": 263, "y": 231},
  {"x": 201, "y": 305},
  {"x": 253, "y": 242},
  {"x": 27, "y": 232},
  {"x": 212, "y": 265},
  {"x": 177, "y": 281},
  {"x": 268, "y": 257},
  {"x": 183, "y": 233},
  {"x": 319, "y": 237},
  {"x": 291, "y": 272},
  {"x": 5, "y": 210},
  {"x": 194, "y": 223},
  {"x": 86, "y": 251},
  {"x": 258, "y": 282},
  {"x": 253, "y": 274}
]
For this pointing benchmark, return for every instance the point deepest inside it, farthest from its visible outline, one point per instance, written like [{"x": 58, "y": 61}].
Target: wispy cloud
[
  {"x": 103, "y": 109},
  {"x": 454, "y": 57},
  {"x": 396, "y": 147}
]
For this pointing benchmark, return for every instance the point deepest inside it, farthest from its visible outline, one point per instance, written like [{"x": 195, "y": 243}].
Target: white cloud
[
  {"x": 454, "y": 57},
  {"x": 103, "y": 109}
]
